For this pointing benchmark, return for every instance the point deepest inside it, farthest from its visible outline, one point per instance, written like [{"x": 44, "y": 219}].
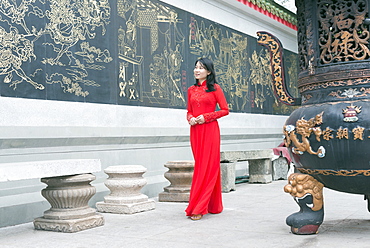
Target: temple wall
[{"x": 36, "y": 128}]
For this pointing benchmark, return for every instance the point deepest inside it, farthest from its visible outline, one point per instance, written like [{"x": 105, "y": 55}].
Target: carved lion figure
[{"x": 302, "y": 184}]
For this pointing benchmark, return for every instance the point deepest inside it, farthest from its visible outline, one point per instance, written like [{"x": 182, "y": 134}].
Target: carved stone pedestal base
[
  {"x": 69, "y": 197},
  {"x": 125, "y": 208},
  {"x": 174, "y": 197},
  {"x": 68, "y": 226},
  {"x": 180, "y": 174},
  {"x": 125, "y": 183}
]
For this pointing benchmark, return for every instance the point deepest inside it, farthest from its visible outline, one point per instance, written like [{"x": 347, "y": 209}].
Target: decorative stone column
[
  {"x": 69, "y": 197},
  {"x": 180, "y": 175},
  {"x": 125, "y": 183}
]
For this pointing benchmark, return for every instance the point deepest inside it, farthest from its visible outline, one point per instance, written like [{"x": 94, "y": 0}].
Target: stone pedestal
[
  {"x": 125, "y": 183},
  {"x": 69, "y": 197},
  {"x": 228, "y": 176},
  {"x": 280, "y": 169},
  {"x": 180, "y": 175},
  {"x": 260, "y": 171}
]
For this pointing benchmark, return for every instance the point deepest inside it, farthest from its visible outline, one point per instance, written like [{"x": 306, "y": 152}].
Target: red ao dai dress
[{"x": 205, "y": 193}]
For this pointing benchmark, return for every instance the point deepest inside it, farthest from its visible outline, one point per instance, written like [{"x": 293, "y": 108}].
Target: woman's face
[{"x": 200, "y": 72}]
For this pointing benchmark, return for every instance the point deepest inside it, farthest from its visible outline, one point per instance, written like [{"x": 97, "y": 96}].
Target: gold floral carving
[
  {"x": 345, "y": 173},
  {"x": 302, "y": 184},
  {"x": 304, "y": 128}
]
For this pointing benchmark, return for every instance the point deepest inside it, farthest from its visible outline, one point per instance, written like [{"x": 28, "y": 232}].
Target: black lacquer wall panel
[{"x": 135, "y": 52}]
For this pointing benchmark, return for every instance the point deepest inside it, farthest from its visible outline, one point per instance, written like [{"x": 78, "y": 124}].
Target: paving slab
[{"x": 254, "y": 216}]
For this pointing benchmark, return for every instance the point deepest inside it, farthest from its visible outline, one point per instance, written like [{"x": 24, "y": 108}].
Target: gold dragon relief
[{"x": 304, "y": 128}]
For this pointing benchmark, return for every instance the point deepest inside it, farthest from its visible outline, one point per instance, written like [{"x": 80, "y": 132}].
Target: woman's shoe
[{"x": 196, "y": 217}]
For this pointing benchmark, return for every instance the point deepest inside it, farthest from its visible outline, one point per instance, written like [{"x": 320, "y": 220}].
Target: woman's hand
[
  {"x": 193, "y": 121},
  {"x": 200, "y": 119}
]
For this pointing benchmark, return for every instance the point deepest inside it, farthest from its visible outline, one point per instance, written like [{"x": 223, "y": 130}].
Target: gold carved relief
[
  {"x": 302, "y": 184},
  {"x": 260, "y": 76},
  {"x": 345, "y": 173},
  {"x": 165, "y": 75},
  {"x": 276, "y": 62},
  {"x": 228, "y": 50},
  {"x": 64, "y": 28},
  {"x": 304, "y": 128},
  {"x": 350, "y": 93},
  {"x": 342, "y": 34},
  {"x": 334, "y": 83}
]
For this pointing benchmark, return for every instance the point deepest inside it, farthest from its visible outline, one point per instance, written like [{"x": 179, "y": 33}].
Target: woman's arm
[
  {"x": 222, "y": 103},
  {"x": 189, "y": 116}
]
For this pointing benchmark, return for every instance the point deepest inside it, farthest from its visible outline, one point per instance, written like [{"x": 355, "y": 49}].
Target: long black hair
[{"x": 211, "y": 78}]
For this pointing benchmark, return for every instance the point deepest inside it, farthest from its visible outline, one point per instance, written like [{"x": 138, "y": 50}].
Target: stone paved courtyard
[{"x": 254, "y": 216}]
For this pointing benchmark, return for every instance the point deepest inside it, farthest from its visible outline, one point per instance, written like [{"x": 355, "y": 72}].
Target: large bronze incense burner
[{"x": 329, "y": 135}]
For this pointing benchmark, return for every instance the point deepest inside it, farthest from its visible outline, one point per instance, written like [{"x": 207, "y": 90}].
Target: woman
[{"x": 203, "y": 97}]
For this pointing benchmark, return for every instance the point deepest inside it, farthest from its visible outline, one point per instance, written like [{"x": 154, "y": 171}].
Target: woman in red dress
[{"x": 203, "y": 97}]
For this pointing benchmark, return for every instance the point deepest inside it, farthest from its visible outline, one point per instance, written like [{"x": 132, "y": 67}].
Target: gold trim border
[{"x": 345, "y": 173}]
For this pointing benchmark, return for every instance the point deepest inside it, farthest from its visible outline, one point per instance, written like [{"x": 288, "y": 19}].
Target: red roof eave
[{"x": 265, "y": 12}]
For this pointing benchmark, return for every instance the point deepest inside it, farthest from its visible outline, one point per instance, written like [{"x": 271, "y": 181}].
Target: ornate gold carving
[
  {"x": 350, "y": 93},
  {"x": 302, "y": 184},
  {"x": 165, "y": 77},
  {"x": 66, "y": 28},
  {"x": 260, "y": 76},
  {"x": 274, "y": 46},
  {"x": 345, "y": 173},
  {"x": 304, "y": 128},
  {"x": 335, "y": 83},
  {"x": 14, "y": 50},
  {"x": 342, "y": 35},
  {"x": 229, "y": 53}
]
